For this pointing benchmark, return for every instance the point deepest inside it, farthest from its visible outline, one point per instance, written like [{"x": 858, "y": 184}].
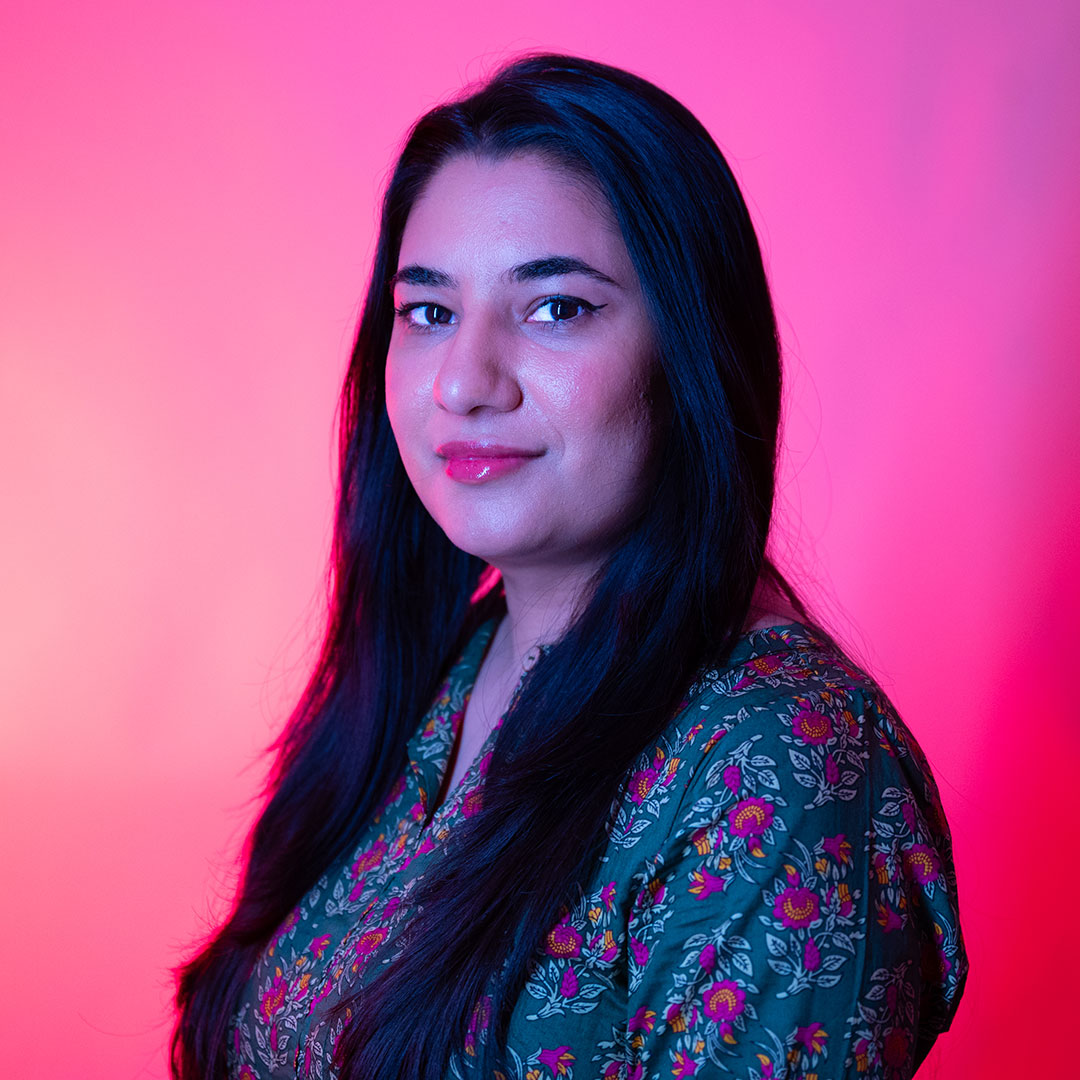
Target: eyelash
[{"x": 404, "y": 310}]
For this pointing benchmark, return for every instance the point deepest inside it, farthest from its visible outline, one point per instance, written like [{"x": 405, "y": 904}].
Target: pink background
[{"x": 187, "y": 199}]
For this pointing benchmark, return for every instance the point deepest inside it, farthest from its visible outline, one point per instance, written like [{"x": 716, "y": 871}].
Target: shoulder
[
  {"x": 796, "y": 698},
  {"x": 784, "y": 736},
  {"x": 804, "y": 816},
  {"x": 788, "y": 741}
]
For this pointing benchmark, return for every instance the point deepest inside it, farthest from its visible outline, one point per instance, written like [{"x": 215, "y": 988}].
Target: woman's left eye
[{"x": 562, "y": 309}]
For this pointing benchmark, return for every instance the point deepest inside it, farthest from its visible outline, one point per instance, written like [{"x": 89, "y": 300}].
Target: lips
[{"x": 478, "y": 462}]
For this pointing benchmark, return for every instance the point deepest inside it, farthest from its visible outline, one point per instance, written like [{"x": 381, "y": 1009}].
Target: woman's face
[{"x": 521, "y": 366}]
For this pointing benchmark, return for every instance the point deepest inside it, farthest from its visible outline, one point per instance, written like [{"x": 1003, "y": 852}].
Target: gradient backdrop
[{"x": 187, "y": 197}]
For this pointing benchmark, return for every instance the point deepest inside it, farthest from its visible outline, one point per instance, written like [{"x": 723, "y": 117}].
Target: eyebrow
[
  {"x": 556, "y": 266},
  {"x": 534, "y": 270},
  {"x": 422, "y": 275}
]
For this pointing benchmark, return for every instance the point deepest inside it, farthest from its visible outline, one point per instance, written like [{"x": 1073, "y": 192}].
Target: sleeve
[{"x": 800, "y": 920}]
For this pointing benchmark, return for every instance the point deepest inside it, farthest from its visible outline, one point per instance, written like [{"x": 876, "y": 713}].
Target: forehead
[{"x": 479, "y": 216}]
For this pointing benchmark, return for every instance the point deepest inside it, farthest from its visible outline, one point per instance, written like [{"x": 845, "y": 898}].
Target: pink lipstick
[{"x": 475, "y": 462}]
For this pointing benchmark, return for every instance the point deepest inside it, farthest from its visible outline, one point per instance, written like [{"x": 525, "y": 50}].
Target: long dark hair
[{"x": 671, "y": 597}]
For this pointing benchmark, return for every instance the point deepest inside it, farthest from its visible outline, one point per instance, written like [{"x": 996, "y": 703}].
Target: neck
[{"x": 540, "y": 604}]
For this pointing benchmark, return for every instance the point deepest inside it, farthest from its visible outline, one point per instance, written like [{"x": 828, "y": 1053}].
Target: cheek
[
  {"x": 402, "y": 400},
  {"x": 612, "y": 416}
]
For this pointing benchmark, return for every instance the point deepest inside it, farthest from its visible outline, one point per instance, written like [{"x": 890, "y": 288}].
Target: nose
[{"x": 477, "y": 370}]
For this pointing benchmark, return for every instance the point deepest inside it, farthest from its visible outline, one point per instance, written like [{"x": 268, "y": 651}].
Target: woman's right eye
[{"x": 425, "y": 316}]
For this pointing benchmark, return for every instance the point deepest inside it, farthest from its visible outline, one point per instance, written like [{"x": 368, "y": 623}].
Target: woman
[{"x": 577, "y": 789}]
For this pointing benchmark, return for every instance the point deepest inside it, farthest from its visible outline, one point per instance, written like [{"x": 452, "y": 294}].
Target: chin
[{"x": 497, "y": 548}]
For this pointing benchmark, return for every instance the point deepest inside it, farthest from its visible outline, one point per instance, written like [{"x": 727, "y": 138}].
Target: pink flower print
[
  {"x": 370, "y": 859},
  {"x": 733, "y": 778},
  {"x": 724, "y": 1001},
  {"x": 653, "y": 893},
  {"x": 707, "y": 958},
  {"x": 273, "y": 1001},
  {"x": 641, "y": 784},
  {"x": 391, "y": 906},
  {"x": 568, "y": 987},
  {"x": 852, "y": 724},
  {"x": 921, "y": 863},
  {"x": 370, "y": 940},
  {"x": 894, "y": 1048},
  {"x": 319, "y": 945},
  {"x": 907, "y": 812},
  {"x": 881, "y": 867},
  {"x": 839, "y": 848},
  {"x": 640, "y": 953},
  {"x": 301, "y": 987},
  {"x": 843, "y": 894},
  {"x": 606, "y": 943},
  {"x": 766, "y": 665},
  {"x": 607, "y": 895},
  {"x": 557, "y": 1060},
  {"x": 887, "y": 918},
  {"x": 290, "y": 921},
  {"x": 705, "y": 884},
  {"x": 416, "y": 811},
  {"x": 713, "y": 739},
  {"x": 832, "y": 771},
  {"x": 247, "y": 1073},
  {"x": 671, "y": 771},
  {"x": 759, "y": 665},
  {"x": 934, "y": 965},
  {"x": 643, "y": 1020},
  {"x": 813, "y": 1037},
  {"x": 944, "y": 965},
  {"x": 792, "y": 875},
  {"x": 471, "y": 804},
  {"x": 812, "y": 727},
  {"x": 811, "y": 955},
  {"x": 485, "y": 762},
  {"x": 677, "y": 1021},
  {"x": 862, "y": 1055},
  {"x": 426, "y": 845},
  {"x": 701, "y": 840},
  {"x": 613, "y": 1070},
  {"x": 327, "y": 987},
  {"x": 481, "y": 1015},
  {"x": 684, "y": 1066},
  {"x": 393, "y": 794},
  {"x": 750, "y": 817},
  {"x": 562, "y": 941},
  {"x": 796, "y": 907}
]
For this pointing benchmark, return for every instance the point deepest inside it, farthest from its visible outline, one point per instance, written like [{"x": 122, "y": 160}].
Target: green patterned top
[{"x": 777, "y": 897}]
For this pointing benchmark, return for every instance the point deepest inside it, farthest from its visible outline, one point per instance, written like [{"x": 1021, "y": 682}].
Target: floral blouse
[{"x": 777, "y": 897}]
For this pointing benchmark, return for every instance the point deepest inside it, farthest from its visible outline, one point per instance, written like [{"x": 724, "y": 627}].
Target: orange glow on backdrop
[{"x": 188, "y": 200}]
